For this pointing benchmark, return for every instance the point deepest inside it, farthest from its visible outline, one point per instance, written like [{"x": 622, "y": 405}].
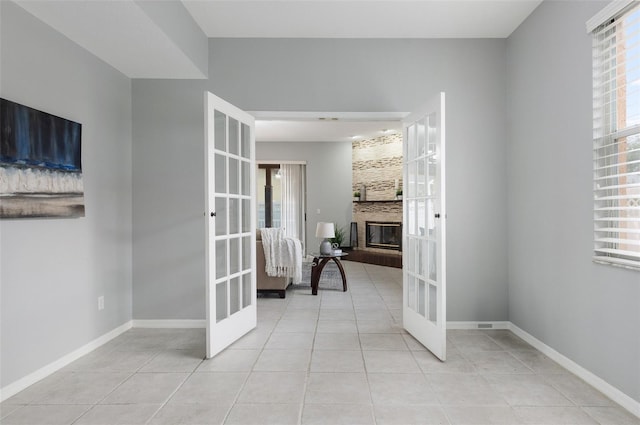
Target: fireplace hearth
[{"x": 384, "y": 235}]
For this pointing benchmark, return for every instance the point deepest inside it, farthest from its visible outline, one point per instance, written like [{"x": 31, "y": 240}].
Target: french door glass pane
[
  {"x": 421, "y": 172},
  {"x": 433, "y": 261},
  {"x": 421, "y": 130},
  {"x": 422, "y": 297},
  {"x": 410, "y": 253},
  {"x": 246, "y": 178},
  {"x": 246, "y": 141},
  {"x": 246, "y": 253},
  {"x": 433, "y": 303},
  {"x": 234, "y": 296},
  {"x": 419, "y": 257},
  {"x": 221, "y": 258},
  {"x": 423, "y": 265},
  {"x": 246, "y": 215},
  {"x": 234, "y": 135},
  {"x": 234, "y": 176},
  {"x": 234, "y": 216},
  {"x": 431, "y": 220},
  {"x": 411, "y": 175},
  {"x": 220, "y": 123},
  {"x": 432, "y": 168},
  {"x": 234, "y": 255},
  {"x": 221, "y": 173},
  {"x": 246, "y": 290},
  {"x": 221, "y": 301},
  {"x": 221, "y": 216},
  {"x": 422, "y": 225},
  {"x": 411, "y": 216}
]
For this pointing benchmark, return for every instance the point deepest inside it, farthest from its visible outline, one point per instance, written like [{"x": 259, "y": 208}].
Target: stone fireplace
[
  {"x": 384, "y": 235},
  {"x": 377, "y": 168},
  {"x": 376, "y": 212}
]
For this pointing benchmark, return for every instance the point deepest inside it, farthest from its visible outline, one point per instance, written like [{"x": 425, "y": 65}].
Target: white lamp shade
[{"x": 325, "y": 230}]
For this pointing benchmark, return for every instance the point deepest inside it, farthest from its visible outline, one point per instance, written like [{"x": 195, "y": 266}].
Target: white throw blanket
[{"x": 283, "y": 255}]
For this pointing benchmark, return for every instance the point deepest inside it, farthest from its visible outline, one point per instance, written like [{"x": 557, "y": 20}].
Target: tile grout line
[
  {"x": 261, "y": 350},
  {"x": 94, "y": 405},
  {"x": 366, "y": 371}
]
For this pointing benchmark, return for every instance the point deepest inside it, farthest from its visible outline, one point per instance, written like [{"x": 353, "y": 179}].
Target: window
[
  {"x": 281, "y": 191},
  {"x": 269, "y": 195},
  {"x": 616, "y": 136}
]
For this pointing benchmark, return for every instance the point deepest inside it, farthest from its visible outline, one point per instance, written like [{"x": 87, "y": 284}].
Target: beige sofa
[{"x": 264, "y": 282}]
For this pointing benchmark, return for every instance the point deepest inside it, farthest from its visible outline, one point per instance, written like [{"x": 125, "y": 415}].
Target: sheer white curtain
[{"x": 293, "y": 201}]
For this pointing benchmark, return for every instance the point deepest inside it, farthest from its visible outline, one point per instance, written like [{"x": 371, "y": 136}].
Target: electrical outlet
[{"x": 101, "y": 302}]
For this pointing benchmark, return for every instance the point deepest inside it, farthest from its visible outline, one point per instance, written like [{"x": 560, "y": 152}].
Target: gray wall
[
  {"x": 588, "y": 312},
  {"x": 399, "y": 75},
  {"x": 325, "y": 75},
  {"x": 328, "y": 181},
  {"x": 53, "y": 270},
  {"x": 168, "y": 207}
]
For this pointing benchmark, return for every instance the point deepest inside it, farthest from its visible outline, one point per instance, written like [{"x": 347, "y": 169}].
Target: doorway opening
[{"x": 375, "y": 150}]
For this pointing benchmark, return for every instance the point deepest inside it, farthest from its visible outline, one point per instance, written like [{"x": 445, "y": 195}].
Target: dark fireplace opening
[{"x": 384, "y": 234}]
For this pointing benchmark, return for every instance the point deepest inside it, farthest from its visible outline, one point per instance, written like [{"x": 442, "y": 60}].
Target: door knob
[
  {"x": 213, "y": 214},
  {"x": 437, "y": 215}
]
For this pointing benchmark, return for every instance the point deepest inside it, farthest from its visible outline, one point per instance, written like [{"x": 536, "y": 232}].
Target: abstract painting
[{"x": 40, "y": 164}]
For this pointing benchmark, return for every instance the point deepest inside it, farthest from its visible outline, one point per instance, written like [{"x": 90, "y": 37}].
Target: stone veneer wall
[{"x": 377, "y": 164}]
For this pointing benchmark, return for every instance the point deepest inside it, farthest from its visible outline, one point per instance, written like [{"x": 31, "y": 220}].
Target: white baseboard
[
  {"x": 598, "y": 383},
  {"x": 170, "y": 324},
  {"x": 43, "y": 372},
  {"x": 478, "y": 325}
]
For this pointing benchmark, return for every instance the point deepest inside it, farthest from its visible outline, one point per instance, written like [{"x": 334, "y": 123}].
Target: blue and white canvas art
[{"x": 40, "y": 164}]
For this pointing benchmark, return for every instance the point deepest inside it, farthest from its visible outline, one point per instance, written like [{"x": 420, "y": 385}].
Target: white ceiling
[
  {"x": 322, "y": 131},
  {"x": 360, "y": 18},
  {"x": 120, "y": 33}
]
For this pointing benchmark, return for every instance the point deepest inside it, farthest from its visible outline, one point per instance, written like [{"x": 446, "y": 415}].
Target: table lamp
[{"x": 326, "y": 231}]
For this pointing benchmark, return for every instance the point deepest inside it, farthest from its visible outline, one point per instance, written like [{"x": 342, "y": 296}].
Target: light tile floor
[{"x": 335, "y": 358}]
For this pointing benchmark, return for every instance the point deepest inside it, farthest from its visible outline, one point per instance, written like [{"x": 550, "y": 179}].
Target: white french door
[
  {"x": 230, "y": 215},
  {"x": 424, "y": 231}
]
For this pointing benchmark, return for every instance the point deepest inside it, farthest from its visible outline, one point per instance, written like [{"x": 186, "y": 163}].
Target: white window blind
[{"x": 616, "y": 138}]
